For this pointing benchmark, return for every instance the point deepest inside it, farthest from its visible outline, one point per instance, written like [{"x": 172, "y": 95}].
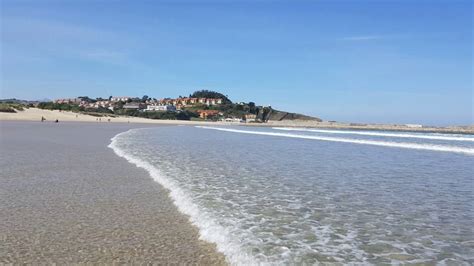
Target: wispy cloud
[
  {"x": 57, "y": 40},
  {"x": 104, "y": 56},
  {"x": 374, "y": 37},
  {"x": 50, "y": 31},
  {"x": 364, "y": 38}
]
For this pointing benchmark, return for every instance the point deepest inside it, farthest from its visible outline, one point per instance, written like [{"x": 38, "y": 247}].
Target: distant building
[
  {"x": 205, "y": 114},
  {"x": 96, "y": 105},
  {"x": 165, "y": 101},
  {"x": 151, "y": 102},
  {"x": 232, "y": 120},
  {"x": 164, "y": 108},
  {"x": 413, "y": 125},
  {"x": 184, "y": 101},
  {"x": 213, "y": 101},
  {"x": 68, "y": 100},
  {"x": 134, "y": 106},
  {"x": 120, "y": 99},
  {"x": 250, "y": 118}
]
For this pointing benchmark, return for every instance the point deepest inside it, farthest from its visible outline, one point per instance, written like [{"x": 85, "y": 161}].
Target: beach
[
  {"x": 67, "y": 198},
  {"x": 133, "y": 193},
  {"x": 35, "y": 114}
]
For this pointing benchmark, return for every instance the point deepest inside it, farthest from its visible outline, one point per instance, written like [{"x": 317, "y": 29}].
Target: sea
[{"x": 301, "y": 196}]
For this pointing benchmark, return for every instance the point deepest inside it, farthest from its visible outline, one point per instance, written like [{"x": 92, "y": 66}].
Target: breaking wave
[
  {"x": 415, "y": 146},
  {"x": 208, "y": 227},
  {"x": 379, "y": 134}
]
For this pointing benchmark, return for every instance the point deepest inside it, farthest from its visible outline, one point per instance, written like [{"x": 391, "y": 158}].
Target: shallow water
[
  {"x": 67, "y": 199},
  {"x": 298, "y": 196}
]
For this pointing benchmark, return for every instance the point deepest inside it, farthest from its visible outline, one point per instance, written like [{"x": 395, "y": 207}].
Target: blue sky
[{"x": 360, "y": 61}]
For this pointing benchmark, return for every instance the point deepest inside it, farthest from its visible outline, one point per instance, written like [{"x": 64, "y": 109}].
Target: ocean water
[{"x": 309, "y": 196}]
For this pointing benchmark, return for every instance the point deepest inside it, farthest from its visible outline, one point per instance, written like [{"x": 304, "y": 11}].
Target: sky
[{"x": 385, "y": 61}]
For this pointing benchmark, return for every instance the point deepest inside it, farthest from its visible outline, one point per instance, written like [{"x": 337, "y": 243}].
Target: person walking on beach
[
  {"x": 57, "y": 121},
  {"x": 42, "y": 119}
]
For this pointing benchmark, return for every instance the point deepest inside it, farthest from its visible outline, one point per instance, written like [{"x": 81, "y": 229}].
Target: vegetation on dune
[
  {"x": 60, "y": 106},
  {"x": 5, "y": 108},
  {"x": 99, "y": 114},
  {"x": 9, "y": 107},
  {"x": 183, "y": 115},
  {"x": 100, "y": 110}
]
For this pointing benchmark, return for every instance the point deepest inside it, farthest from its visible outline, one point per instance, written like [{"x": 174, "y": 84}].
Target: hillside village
[
  {"x": 204, "y": 108},
  {"x": 201, "y": 105}
]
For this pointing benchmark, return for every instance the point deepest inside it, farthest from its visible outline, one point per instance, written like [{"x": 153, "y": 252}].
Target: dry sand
[
  {"x": 35, "y": 114},
  {"x": 67, "y": 198}
]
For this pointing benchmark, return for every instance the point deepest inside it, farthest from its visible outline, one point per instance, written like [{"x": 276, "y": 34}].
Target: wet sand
[{"x": 67, "y": 198}]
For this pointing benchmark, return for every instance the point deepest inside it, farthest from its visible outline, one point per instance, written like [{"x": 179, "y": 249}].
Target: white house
[
  {"x": 169, "y": 108},
  {"x": 414, "y": 125},
  {"x": 120, "y": 99},
  {"x": 232, "y": 120},
  {"x": 134, "y": 106},
  {"x": 250, "y": 118}
]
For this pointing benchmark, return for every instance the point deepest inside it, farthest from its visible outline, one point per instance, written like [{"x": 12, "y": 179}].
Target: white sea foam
[
  {"x": 379, "y": 134},
  {"x": 208, "y": 227},
  {"x": 416, "y": 146},
  {"x": 292, "y": 214}
]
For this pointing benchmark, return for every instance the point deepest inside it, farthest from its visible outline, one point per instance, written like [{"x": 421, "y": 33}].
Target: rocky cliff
[{"x": 269, "y": 114}]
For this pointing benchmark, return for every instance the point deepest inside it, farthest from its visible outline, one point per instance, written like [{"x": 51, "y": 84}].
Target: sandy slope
[{"x": 35, "y": 114}]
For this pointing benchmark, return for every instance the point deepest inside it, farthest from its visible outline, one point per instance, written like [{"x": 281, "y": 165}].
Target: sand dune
[{"x": 35, "y": 114}]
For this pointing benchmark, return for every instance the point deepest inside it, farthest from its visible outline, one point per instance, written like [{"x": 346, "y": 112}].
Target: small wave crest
[
  {"x": 209, "y": 229},
  {"x": 416, "y": 146},
  {"x": 379, "y": 134}
]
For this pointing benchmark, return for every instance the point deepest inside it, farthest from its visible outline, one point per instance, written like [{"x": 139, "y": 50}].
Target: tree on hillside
[
  {"x": 86, "y": 99},
  {"x": 119, "y": 105},
  {"x": 145, "y": 98},
  {"x": 210, "y": 94},
  {"x": 252, "y": 108}
]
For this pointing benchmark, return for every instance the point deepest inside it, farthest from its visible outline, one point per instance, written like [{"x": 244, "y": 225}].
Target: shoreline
[
  {"x": 34, "y": 114},
  {"x": 209, "y": 228},
  {"x": 68, "y": 198},
  {"x": 373, "y": 127}
]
